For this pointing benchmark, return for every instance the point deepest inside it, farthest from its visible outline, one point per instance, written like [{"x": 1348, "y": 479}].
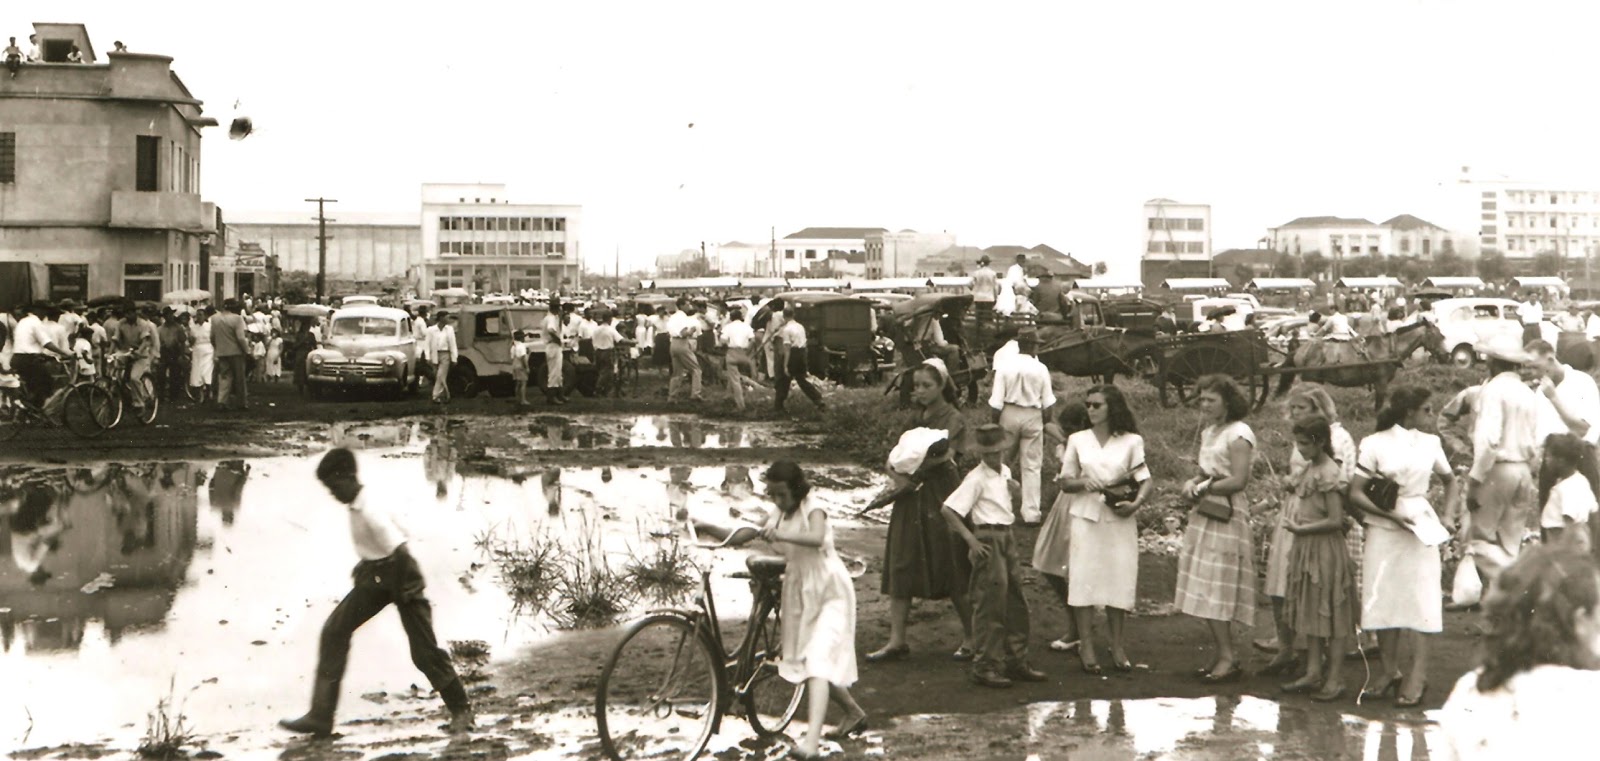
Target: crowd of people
[{"x": 15, "y": 57}]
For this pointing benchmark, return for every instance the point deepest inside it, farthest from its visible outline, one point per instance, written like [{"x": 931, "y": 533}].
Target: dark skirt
[
  {"x": 922, "y": 558},
  {"x": 1320, "y": 600}
]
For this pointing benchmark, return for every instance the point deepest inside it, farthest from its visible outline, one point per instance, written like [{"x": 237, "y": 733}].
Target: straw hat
[{"x": 989, "y": 438}]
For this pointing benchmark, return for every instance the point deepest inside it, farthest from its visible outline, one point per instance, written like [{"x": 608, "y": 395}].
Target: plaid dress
[{"x": 1217, "y": 567}]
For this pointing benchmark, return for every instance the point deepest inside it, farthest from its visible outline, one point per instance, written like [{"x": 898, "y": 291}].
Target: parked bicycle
[
  {"x": 139, "y": 394},
  {"x": 80, "y": 406},
  {"x": 669, "y": 682}
]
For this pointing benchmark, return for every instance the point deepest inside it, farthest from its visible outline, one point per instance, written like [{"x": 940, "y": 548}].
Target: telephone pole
[{"x": 322, "y": 245}]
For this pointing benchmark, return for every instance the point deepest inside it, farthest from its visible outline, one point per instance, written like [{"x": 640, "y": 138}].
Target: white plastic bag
[{"x": 1467, "y": 588}]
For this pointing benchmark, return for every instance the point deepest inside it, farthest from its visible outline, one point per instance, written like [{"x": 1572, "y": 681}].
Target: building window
[
  {"x": 1427, "y": 246},
  {"x": 1489, "y": 205},
  {"x": 1405, "y": 245},
  {"x": 811, "y": 253},
  {"x": 788, "y": 253},
  {"x": 8, "y": 158},
  {"x": 147, "y": 164},
  {"x": 1448, "y": 246},
  {"x": 142, "y": 282},
  {"x": 69, "y": 281},
  {"x": 558, "y": 250},
  {"x": 1197, "y": 224},
  {"x": 1154, "y": 247},
  {"x": 1554, "y": 199},
  {"x": 561, "y": 224}
]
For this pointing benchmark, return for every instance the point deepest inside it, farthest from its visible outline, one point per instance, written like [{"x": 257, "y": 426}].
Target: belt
[
  {"x": 1024, "y": 406},
  {"x": 992, "y": 527}
]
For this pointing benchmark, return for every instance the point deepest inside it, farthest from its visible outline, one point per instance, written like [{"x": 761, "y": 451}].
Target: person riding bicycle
[{"x": 32, "y": 345}]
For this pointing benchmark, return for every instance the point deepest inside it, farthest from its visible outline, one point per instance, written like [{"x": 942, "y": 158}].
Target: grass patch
[
  {"x": 663, "y": 576},
  {"x": 167, "y": 733},
  {"x": 470, "y": 657},
  {"x": 530, "y": 573},
  {"x": 589, "y": 593}
]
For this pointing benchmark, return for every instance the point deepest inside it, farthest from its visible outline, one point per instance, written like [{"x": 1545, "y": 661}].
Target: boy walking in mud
[{"x": 387, "y": 574}]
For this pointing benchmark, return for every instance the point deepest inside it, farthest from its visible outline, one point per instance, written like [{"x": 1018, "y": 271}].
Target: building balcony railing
[{"x": 145, "y": 210}]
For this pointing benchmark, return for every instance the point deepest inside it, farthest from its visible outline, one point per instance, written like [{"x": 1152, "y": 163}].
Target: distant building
[
  {"x": 100, "y": 176},
  {"x": 1333, "y": 237},
  {"x": 474, "y": 237},
  {"x": 1177, "y": 241},
  {"x": 1411, "y": 236},
  {"x": 368, "y": 247},
  {"x": 896, "y": 254},
  {"x": 1523, "y": 220},
  {"x": 743, "y": 259},
  {"x": 962, "y": 260},
  {"x": 807, "y": 249}
]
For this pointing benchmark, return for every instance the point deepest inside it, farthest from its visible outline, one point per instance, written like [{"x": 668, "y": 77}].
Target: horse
[
  {"x": 1389, "y": 352},
  {"x": 1099, "y": 353}
]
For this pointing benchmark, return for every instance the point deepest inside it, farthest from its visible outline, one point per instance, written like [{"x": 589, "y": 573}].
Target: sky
[{"x": 1003, "y": 123}]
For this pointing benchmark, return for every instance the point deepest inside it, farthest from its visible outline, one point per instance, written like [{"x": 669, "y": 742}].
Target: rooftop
[
  {"x": 1408, "y": 222},
  {"x": 834, "y": 233},
  {"x": 1251, "y": 256},
  {"x": 336, "y": 218},
  {"x": 1327, "y": 222}
]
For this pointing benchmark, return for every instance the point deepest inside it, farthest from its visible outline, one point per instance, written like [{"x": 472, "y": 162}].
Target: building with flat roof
[
  {"x": 474, "y": 237},
  {"x": 896, "y": 254},
  {"x": 1177, "y": 241},
  {"x": 362, "y": 246},
  {"x": 100, "y": 176},
  {"x": 808, "y": 250}
]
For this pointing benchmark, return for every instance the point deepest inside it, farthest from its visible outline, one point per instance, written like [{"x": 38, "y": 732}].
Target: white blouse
[
  {"x": 1409, "y": 458},
  {"x": 1542, "y": 712},
  {"x": 1121, "y": 457}
]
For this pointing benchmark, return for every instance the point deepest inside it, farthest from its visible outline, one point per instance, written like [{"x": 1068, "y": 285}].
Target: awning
[
  {"x": 1195, "y": 283},
  {"x": 1448, "y": 281},
  {"x": 764, "y": 282},
  {"x": 1539, "y": 282},
  {"x": 1368, "y": 282},
  {"x": 889, "y": 284},
  {"x": 951, "y": 282},
  {"x": 689, "y": 283},
  {"x": 815, "y": 283},
  {"x": 1106, "y": 284},
  {"x": 1280, "y": 283}
]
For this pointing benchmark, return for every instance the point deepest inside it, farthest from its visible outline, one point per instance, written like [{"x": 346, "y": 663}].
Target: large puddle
[{"x": 210, "y": 581}]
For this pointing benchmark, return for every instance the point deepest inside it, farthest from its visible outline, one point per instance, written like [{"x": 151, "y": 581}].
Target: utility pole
[
  {"x": 322, "y": 245},
  {"x": 772, "y": 252}
]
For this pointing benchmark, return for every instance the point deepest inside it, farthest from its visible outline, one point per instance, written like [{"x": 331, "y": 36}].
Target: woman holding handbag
[
  {"x": 1104, "y": 474},
  {"x": 1397, "y": 460},
  {"x": 1217, "y": 568}
]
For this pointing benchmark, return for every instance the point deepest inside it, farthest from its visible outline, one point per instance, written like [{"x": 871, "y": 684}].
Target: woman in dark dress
[{"x": 920, "y": 557}]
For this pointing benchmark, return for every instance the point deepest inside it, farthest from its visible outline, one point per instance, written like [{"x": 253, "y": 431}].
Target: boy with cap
[{"x": 979, "y": 512}]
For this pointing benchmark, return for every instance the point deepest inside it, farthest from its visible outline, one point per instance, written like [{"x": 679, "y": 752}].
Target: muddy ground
[{"x": 559, "y": 678}]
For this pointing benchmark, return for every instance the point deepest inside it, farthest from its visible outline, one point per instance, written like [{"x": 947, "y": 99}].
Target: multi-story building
[
  {"x": 1411, "y": 236},
  {"x": 809, "y": 249},
  {"x": 1177, "y": 241},
  {"x": 1333, "y": 237},
  {"x": 362, "y": 247},
  {"x": 1524, "y": 220},
  {"x": 896, "y": 254},
  {"x": 474, "y": 237},
  {"x": 100, "y": 176}
]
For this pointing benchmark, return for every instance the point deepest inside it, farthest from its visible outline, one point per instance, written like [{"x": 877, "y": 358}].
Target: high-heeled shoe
[
  {"x": 1392, "y": 685},
  {"x": 887, "y": 654},
  {"x": 1279, "y": 667},
  {"x": 1092, "y": 669},
  {"x": 1232, "y": 676},
  {"x": 1329, "y": 697},
  {"x": 1298, "y": 687},
  {"x": 847, "y": 730},
  {"x": 1401, "y": 701},
  {"x": 1123, "y": 665}
]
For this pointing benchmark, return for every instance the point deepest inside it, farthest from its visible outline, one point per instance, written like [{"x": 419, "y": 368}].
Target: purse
[
  {"x": 1126, "y": 490},
  {"x": 1381, "y": 490},
  {"x": 1216, "y": 508}
]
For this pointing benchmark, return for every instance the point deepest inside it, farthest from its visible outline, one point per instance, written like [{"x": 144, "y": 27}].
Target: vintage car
[
  {"x": 840, "y": 332},
  {"x": 483, "y": 343},
  {"x": 1469, "y": 322},
  {"x": 366, "y": 346}
]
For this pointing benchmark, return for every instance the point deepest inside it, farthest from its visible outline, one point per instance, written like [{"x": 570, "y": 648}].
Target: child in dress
[
  {"x": 519, "y": 366},
  {"x": 83, "y": 349},
  {"x": 1571, "y": 500},
  {"x": 258, "y": 356},
  {"x": 275, "y": 356},
  {"x": 1320, "y": 602}
]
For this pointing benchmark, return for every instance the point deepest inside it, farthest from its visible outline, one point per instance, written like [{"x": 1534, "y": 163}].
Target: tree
[
  {"x": 1492, "y": 267},
  {"x": 1242, "y": 274},
  {"x": 1410, "y": 270},
  {"x": 297, "y": 286},
  {"x": 1287, "y": 265},
  {"x": 1547, "y": 264},
  {"x": 1450, "y": 264},
  {"x": 1314, "y": 264},
  {"x": 1100, "y": 268}
]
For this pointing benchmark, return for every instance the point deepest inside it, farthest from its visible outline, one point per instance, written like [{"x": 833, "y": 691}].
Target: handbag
[
  {"x": 1126, "y": 490},
  {"x": 1383, "y": 492},
  {"x": 1216, "y": 508}
]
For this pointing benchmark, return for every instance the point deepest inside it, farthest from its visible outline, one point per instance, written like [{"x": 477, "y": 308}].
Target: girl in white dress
[
  {"x": 1400, "y": 590},
  {"x": 1103, "y": 464},
  {"x": 819, "y": 606},
  {"x": 202, "y": 353}
]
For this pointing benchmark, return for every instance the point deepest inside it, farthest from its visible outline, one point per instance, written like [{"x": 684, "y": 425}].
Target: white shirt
[
  {"x": 586, "y": 329},
  {"x": 1410, "y": 459},
  {"x": 374, "y": 532},
  {"x": 793, "y": 334},
  {"x": 1567, "y": 322},
  {"x": 1337, "y": 327},
  {"x": 605, "y": 337},
  {"x": 552, "y": 330},
  {"x": 424, "y": 342},
  {"x": 442, "y": 341},
  {"x": 1024, "y": 381},
  {"x": 1591, "y": 328},
  {"x": 738, "y": 334},
  {"x": 984, "y": 495},
  {"x": 1015, "y": 276},
  {"x": 519, "y": 352},
  {"x": 72, "y": 323},
  {"x": 684, "y": 326},
  {"x": 1579, "y": 394},
  {"x": 1507, "y": 426},
  {"x": 1544, "y": 712},
  {"x": 30, "y": 336},
  {"x": 1571, "y": 498},
  {"x": 1530, "y": 312}
]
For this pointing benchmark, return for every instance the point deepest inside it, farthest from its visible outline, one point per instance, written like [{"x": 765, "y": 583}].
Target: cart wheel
[
  {"x": 1184, "y": 371},
  {"x": 1262, "y": 385}
]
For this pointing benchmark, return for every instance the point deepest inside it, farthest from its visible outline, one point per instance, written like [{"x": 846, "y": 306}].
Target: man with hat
[
  {"x": 979, "y": 513},
  {"x": 1021, "y": 398},
  {"x": 1050, "y": 299},
  {"x": 1505, "y": 445},
  {"x": 985, "y": 289}
]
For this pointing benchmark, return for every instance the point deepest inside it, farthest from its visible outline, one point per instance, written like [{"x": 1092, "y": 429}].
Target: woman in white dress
[
  {"x": 1400, "y": 590},
  {"x": 202, "y": 354},
  {"x": 1217, "y": 566},
  {"x": 819, "y": 606},
  {"x": 1103, "y": 471}
]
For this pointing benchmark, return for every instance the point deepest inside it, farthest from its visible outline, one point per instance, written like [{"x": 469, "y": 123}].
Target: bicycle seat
[{"x": 766, "y": 566}]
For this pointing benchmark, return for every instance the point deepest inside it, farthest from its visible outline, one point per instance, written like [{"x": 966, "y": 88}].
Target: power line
[{"x": 322, "y": 245}]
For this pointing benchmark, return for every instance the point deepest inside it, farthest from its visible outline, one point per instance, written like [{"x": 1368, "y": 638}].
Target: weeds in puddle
[
  {"x": 167, "y": 732},
  {"x": 529, "y": 572},
  {"x": 664, "y": 576},
  {"x": 590, "y": 593},
  {"x": 470, "y": 656}
]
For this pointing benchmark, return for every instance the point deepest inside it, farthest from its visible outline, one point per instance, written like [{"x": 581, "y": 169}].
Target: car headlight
[
  {"x": 316, "y": 360},
  {"x": 388, "y": 361}
]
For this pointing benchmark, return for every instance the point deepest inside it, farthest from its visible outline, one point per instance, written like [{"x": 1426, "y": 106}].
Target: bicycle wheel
[
  {"x": 115, "y": 395},
  {"x": 660, "y": 694},
  {"x": 11, "y": 416},
  {"x": 770, "y": 701},
  {"x": 145, "y": 402},
  {"x": 87, "y": 410}
]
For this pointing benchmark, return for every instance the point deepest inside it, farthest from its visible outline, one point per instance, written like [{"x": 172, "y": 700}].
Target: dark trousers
[
  {"x": 395, "y": 580},
  {"x": 233, "y": 381},
  {"x": 34, "y": 370},
  {"x": 605, "y": 361},
  {"x": 999, "y": 611},
  {"x": 174, "y": 375},
  {"x": 796, "y": 369}
]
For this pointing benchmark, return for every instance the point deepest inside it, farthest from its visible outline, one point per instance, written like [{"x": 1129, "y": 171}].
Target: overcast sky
[{"x": 1002, "y": 123}]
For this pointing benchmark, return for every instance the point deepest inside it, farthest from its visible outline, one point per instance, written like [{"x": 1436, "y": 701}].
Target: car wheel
[
  {"x": 463, "y": 380},
  {"x": 1463, "y": 357}
]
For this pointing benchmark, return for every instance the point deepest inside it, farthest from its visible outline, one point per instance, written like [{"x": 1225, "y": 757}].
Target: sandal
[
  {"x": 963, "y": 654},
  {"x": 1063, "y": 646},
  {"x": 848, "y": 730}
]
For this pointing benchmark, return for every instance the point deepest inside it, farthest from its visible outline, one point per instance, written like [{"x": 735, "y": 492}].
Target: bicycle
[
  {"x": 670, "y": 681},
  {"x": 84, "y": 408},
  {"x": 140, "y": 393}
]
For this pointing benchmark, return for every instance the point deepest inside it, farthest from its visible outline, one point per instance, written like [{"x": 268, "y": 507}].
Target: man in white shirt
[
  {"x": 1570, "y": 321},
  {"x": 387, "y": 575},
  {"x": 979, "y": 514},
  {"x": 31, "y": 346},
  {"x": 1017, "y": 273},
  {"x": 1021, "y": 399},
  {"x": 794, "y": 364},
  {"x": 738, "y": 337},
  {"x": 1532, "y": 313},
  {"x": 684, "y": 328},
  {"x": 985, "y": 289},
  {"x": 551, "y": 331},
  {"x": 1569, "y": 402},
  {"x": 605, "y": 339},
  {"x": 1500, "y": 487},
  {"x": 442, "y": 345}
]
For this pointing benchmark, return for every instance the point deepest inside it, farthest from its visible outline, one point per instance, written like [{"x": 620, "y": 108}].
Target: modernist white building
[
  {"x": 810, "y": 248},
  {"x": 1523, "y": 220},
  {"x": 475, "y": 237},
  {"x": 362, "y": 246}
]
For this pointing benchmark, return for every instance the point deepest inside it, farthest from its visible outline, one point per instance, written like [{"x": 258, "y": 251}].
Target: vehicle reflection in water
[
  {"x": 648, "y": 431},
  {"x": 125, "y": 581}
]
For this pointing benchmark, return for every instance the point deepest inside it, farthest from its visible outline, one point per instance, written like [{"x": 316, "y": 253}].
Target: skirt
[
  {"x": 1217, "y": 570},
  {"x": 1400, "y": 583},
  {"x": 201, "y": 362},
  {"x": 1104, "y": 568},
  {"x": 922, "y": 559},
  {"x": 1050, "y": 554},
  {"x": 1277, "y": 582},
  {"x": 1321, "y": 593},
  {"x": 819, "y": 620}
]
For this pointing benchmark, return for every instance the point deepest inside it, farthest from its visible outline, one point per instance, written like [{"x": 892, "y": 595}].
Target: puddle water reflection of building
[{"x": 213, "y": 579}]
